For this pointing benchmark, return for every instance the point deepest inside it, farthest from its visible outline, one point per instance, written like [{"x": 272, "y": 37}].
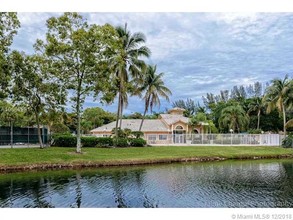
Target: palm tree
[
  {"x": 153, "y": 87},
  {"x": 289, "y": 123},
  {"x": 233, "y": 117},
  {"x": 10, "y": 114},
  {"x": 256, "y": 106},
  {"x": 280, "y": 95},
  {"x": 128, "y": 65}
]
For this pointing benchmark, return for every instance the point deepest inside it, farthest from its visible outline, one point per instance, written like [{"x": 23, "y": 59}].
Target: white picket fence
[{"x": 214, "y": 139}]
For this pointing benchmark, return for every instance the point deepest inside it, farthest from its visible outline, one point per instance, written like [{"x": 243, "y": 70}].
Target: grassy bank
[{"x": 66, "y": 157}]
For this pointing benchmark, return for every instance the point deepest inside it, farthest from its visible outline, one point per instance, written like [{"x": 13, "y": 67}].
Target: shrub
[
  {"x": 89, "y": 141},
  {"x": 64, "y": 140},
  {"x": 120, "y": 133},
  {"x": 137, "y": 134},
  {"x": 254, "y": 131},
  {"x": 121, "y": 142},
  {"x": 137, "y": 142},
  {"x": 288, "y": 141},
  {"x": 104, "y": 142},
  {"x": 60, "y": 128}
]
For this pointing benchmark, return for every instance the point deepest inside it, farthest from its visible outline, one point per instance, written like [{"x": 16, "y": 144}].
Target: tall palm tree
[
  {"x": 256, "y": 106},
  {"x": 128, "y": 65},
  {"x": 233, "y": 117},
  {"x": 153, "y": 87},
  {"x": 280, "y": 95}
]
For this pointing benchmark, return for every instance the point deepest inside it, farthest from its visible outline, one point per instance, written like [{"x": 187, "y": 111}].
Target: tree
[
  {"x": 189, "y": 106},
  {"x": 95, "y": 117},
  {"x": 233, "y": 117},
  {"x": 135, "y": 115},
  {"x": 153, "y": 88},
  {"x": 8, "y": 29},
  {"x": 279, "y": 95},
  {"x": 10, "y": 114},
  {"x": 256, "y": 105},
  {"x": 34, "y": 87},
  {"x": 53, "y": 117},
  {"x": 289, "y": 123},
  {"x": 80, "y": 55},
  {"x": 128, "y": 65}
]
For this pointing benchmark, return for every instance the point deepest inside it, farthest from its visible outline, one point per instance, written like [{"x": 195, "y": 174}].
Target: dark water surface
[{"x": 262, "y": 183}]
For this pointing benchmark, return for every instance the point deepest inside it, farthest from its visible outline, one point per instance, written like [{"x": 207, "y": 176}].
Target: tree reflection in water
[{"x": 216, "y": 184}]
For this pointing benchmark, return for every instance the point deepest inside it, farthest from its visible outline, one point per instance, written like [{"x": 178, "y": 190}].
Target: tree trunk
[
  {"x": 258, "y": 119},
  {"x": 78, "y": 143},
  {"x": 145, "y": 111},
  {"x": 117, "y": 117},
  {"x": 39, "y": 131},
  {"x": 121, "y": 113},
  {"x": 121, "y": 104},
  {"x": 284, "y": 119}
]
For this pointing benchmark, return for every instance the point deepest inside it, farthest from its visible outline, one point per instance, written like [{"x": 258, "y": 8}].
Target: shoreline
[{"x": 93, "y": 164}]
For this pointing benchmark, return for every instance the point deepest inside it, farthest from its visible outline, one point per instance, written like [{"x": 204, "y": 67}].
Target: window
[
  {"x": 152, "y": 137},
  {"x": 105, "y": 135},
  {"x": 162, "y": 137},
  {"x": 179, "y": 127}
]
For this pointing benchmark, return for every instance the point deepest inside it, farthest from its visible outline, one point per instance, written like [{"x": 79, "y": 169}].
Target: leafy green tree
[
  {"x": 289, "y": 123},
  {"x": 201, "y": 119},
  {"x": 9, "y": 24},
  {"x": 53, "y": 117},
  {"x": 279, "y": 95},
  {"x": 10, "y": 114},
  {"x": 60, "y": 128},
  {"x": 70, "y": 120},
  {"x": 80, "y": 54},
  {"x": 128, "y": 65},
  {"x": 34, "y": 87},
  {"x": 95, "y": 117},
  {"x": 135, "y": 115},
  {"x": 233, "y": 117},
  {"x": 153, "y": 88}
]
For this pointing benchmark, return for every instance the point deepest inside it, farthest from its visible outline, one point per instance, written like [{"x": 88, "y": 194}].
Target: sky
[{"x": 198, "y": 52}]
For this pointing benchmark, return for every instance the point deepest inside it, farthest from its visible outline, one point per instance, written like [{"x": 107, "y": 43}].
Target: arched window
[{"x": 179, "y": 127}]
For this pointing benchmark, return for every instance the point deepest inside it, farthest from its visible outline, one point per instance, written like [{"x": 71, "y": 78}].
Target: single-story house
[{"x": 167, "y": 129}]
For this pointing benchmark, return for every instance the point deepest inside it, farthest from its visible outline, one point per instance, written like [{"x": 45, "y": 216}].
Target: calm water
[{"x": 216, "y": 184}]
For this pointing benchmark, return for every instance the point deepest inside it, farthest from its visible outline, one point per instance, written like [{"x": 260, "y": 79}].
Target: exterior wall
[
  {"x": 185, "y": 126},
  {"x": 101, "y": 134},
  {"x": 154, "y": 137}
]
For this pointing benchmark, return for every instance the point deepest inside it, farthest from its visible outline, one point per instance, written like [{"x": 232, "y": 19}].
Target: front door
[
  {"x": 179, "y": 139},
  {"x": 179, "y": 135}
]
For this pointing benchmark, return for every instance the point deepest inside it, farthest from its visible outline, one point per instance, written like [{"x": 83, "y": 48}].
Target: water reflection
[{"x": 216, "y": 184}]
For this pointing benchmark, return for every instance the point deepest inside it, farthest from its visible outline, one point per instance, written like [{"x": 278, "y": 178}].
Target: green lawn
[{"x": 29, "y": 156}]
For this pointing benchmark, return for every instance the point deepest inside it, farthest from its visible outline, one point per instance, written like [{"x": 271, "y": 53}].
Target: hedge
[
  {"x": 70, "y": 141},
  {"x": 121, "y": 142},
  {"x": 89, "y": 141},
  {"x": 64, "y": 141},
  {"x": 104, "y": 142},
  {"x": 137, "y": 142}
]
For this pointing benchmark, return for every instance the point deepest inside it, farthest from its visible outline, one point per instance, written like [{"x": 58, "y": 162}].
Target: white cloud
[{"x": 199, "y": 52}]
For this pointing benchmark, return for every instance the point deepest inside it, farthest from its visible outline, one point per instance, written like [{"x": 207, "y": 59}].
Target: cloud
[{"x": 198, "y": 52}]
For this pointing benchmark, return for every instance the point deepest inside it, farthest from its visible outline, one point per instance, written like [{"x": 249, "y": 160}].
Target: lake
[{"x": 258, "y": 183}]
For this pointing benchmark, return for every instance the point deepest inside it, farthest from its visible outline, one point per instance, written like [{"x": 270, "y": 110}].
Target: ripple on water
[{"x": 217, "y": 184}]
